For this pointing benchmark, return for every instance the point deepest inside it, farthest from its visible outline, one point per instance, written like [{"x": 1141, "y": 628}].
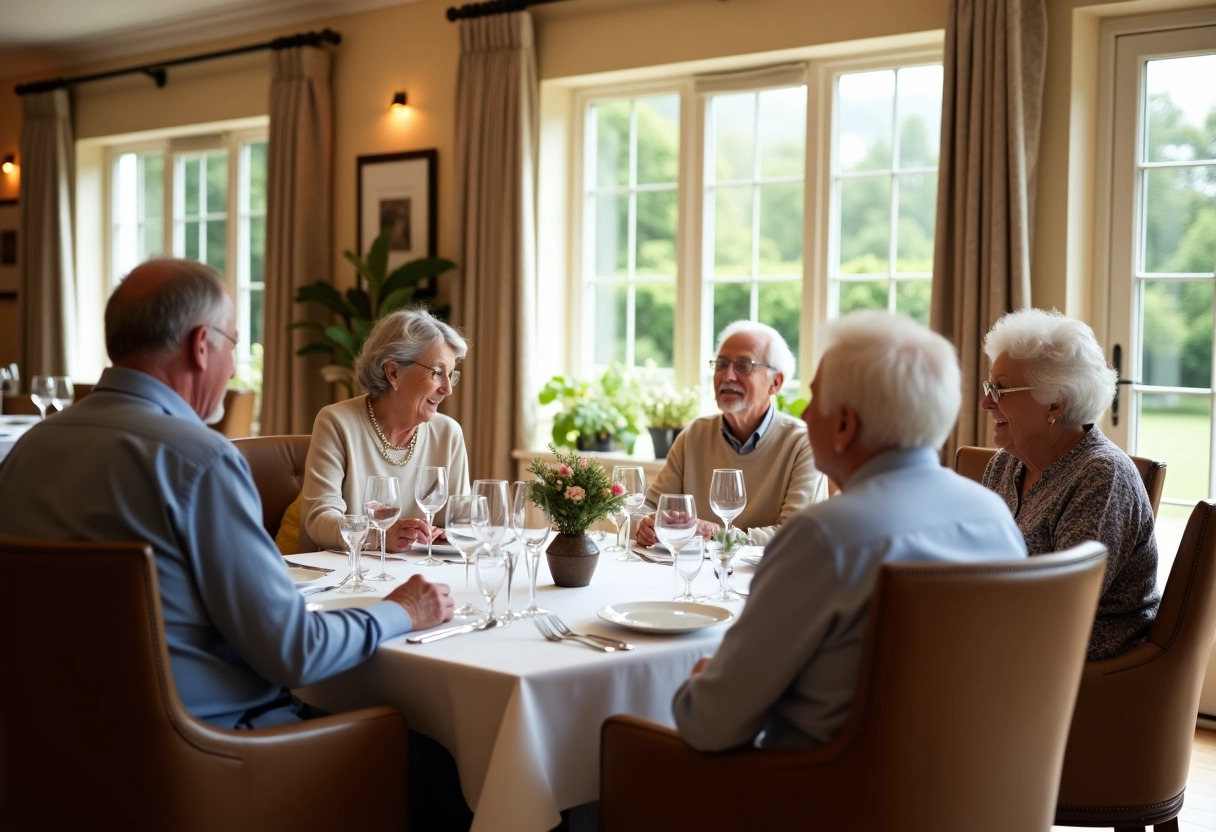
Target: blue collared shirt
[{"x": 753, "y": 440}]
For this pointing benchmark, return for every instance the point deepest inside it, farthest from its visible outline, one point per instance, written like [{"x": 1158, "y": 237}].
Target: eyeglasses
[
  {"x": 225, "y": 334},
  {"x": 438, "y": 374},
  {"x": 995, "y": 393},
  {"x": 743, "y": 366}
]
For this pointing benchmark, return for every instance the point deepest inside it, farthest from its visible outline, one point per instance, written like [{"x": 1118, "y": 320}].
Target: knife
[
  {"x": 453, "y": 631},
  {"x": 312, "y": 590}
]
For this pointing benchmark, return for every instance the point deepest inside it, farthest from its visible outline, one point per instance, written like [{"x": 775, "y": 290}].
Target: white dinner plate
[
  {"x": 665, "y": 616},
  {"x": 304, "y": 575},
  {"x": 343, "y": 602},
  {"x": 437, "y": 548}
]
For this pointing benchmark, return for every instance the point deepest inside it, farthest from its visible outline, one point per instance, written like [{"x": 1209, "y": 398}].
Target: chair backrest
[
  {"x": 1131, "y": 736},
  {"x": 238, "y": 413},
  {"x": 971, "y": 460},
  {"x": 277, "y": 464}
]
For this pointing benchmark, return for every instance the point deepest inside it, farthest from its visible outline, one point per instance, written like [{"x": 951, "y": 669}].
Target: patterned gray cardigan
[{"x": 1093, "y": 492}]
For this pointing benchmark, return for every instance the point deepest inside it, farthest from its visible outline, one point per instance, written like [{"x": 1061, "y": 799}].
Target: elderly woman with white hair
[
  {"x": 1063, "y": 480},
  {"x": 408, "y": 367}
]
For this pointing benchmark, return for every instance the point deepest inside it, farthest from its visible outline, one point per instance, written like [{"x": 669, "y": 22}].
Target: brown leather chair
[
  {"x": 277, "y": 464},
  {"x": 971, "y": 460},
  {"x": 1129, "y": 748},
  {"x": 94, "y": 736},
  {"x": 967, "y": 683},
  {"x": 238, "y": 413}
]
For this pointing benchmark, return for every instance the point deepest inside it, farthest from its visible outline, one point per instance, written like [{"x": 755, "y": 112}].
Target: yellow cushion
[{"x": 288, "y": 537}]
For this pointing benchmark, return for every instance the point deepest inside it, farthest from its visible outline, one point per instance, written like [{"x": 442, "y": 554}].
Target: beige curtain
[
  {"x": 995, "y": 56},
  {"x": 47, "y": 294},
  {"x": 298, "y": 228},
  {"x": 496, "y": 94}
]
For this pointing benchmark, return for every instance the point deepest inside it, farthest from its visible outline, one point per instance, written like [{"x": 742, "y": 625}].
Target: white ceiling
[{"x": 41, "y": 35}]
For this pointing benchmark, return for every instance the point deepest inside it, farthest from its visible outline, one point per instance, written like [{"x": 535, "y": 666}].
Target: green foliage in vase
[
  {"x": 607, "y": 408},
  {"x": 575, "y": 491}
]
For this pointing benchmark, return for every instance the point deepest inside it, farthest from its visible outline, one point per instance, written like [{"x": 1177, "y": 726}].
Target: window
[
  {"x": 694, "y": 199},
  {"x": 202, "y": 197}
]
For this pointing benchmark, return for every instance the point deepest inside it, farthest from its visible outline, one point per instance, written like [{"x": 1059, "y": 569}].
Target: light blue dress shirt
[
  {"x": 747, "y": 447},
  {"x": 134, "y": 462},
  {"x": 786, "y": 671}
]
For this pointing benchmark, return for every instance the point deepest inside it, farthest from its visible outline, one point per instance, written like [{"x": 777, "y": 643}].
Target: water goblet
[
  {"x": 468, "y": 521},
  {"x": 12, "y": 383},
  {"x": 42, "y": 389},
  {"x": 491, "y": 567},
  {"x": 617, "y": 517},
  {"x": 531, "y": 523},
  {"x": 675, "y": 524},
  {"x": 495, "y": 492},
  {"x": 688, "y": 560},
  {"x": 728, "y": 498},
  {"x": 62, "y": 393},
  {"x": 431, "y": 494},
  {"x": 633, "y": 479},
  {"x": 353, "y": 528},
  {"x": 382, "y": 505}
]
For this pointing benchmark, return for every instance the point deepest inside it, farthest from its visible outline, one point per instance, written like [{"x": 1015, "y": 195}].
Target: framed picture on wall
[
  {"x": 9, "y": 252},
  {"x": 398, "y": 191}
]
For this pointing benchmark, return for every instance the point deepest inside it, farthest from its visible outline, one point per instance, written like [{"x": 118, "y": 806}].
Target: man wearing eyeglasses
[{"x": 753, "y": 362}]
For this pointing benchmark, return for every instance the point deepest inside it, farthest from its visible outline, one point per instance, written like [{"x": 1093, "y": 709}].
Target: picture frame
[
  {"x": 10, "y": 253},
  {"x": 398, "y": 189}
]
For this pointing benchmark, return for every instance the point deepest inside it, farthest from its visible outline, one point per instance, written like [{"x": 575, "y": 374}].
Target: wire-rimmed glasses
[
  {"x": 994, "y": 392},
  {"x": 743, "y": 366},
  {"x": 382, "y": 505},
  {"x": 431, "y": 494},
  {"x": 468, "y": 520},
  {"x": 531, "y": 523}
]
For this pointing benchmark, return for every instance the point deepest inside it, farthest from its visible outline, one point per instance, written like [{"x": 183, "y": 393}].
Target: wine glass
[
  {"x": 42, "y": 388},
  {"x": 675, "y": 525},
  {"x": 382, "y": 504},
  {"x": 495, "y": 492},
  {"x": 728, "y": 498},
  {"x": 468, "y": 521},
  {"x": 62, "y": 393},
  {"x": 354, "y": 529},
  {"x": 431, "y": 493},
  {"x": 617, "y": 516},
  {"x": 530, "y": 521},
  {"x": 491, "y": 567},
  {"x": 633, "y": 480},
  {"x": 688, "y": 559}
]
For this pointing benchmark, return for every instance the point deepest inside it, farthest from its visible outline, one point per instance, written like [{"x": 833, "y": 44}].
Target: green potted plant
[
  {"x": 361, "y": 306},
  {"x": 593, "y": 415},
  {"x": 668, "y": 411}
]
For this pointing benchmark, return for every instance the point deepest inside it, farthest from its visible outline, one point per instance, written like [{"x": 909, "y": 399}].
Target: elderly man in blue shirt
[
  {"x": 135, "y": 461},
  {"x": 883, "y": 401}
]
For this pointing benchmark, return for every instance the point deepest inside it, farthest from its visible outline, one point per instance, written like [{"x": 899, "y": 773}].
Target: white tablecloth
[
  {"x": 11, "y": 429},
  {"x": 520, "y": 714}
]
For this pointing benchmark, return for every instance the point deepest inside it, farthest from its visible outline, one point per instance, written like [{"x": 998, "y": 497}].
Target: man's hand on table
[
  {"x": 427, "y": 603},
  {"x": 646, "y": 535}
]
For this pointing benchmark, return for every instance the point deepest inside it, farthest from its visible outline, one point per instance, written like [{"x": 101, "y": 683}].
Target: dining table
[
  {"x": 520, "y": 714},
  {"x": 12, "y": 428}
]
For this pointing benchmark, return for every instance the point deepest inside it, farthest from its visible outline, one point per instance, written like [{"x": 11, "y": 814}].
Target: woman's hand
[{"x": 405, "y": 533}]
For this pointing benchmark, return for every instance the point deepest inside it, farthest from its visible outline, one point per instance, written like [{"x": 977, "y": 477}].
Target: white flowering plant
[
  {"x": 666, "y": 407},
  {"x": 575, "y": 491}
]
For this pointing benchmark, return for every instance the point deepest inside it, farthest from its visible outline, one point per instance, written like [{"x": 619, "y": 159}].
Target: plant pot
[
  {"x": 572, "y": 559},
  {"x": 662, "y": 439},
  {"x": 596, "y": 443}
]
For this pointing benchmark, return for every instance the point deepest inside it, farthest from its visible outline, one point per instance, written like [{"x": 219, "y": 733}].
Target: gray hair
[
  {"x": 901, "y": 378},
  {"x": 1063, "y": 360},
  {"x": 401, "y": 337},
  {"x": 154, "y": 323},
  {"x": 776, "y": 351}
]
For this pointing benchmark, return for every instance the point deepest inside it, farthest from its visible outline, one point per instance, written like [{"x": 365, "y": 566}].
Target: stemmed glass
[
  {"x": 688, "y": 560},
  {"x": 491, "y": 568},
  {"x": 354, "y": 530},
  {"x": 468, "y": 523},
  {"x": 675, "y": 525},
  {"x": 531, "y": 524},
  {"x": 50, "y": 390},
  {"x": 633, "y": 479},
  {"x": 382, "y": 504},
  {"x": 728, "y": 498},
  {"x": 495, "y": 492},
  {"x": 431, "y": 493}
]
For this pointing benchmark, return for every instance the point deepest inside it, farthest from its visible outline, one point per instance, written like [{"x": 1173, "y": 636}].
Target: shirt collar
[{"x": 753, "y": 440}]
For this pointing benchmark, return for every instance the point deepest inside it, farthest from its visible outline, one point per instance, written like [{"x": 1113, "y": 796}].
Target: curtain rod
[
  {"x": 471, "y": 10},
  {"x": 156, "y": 71}
]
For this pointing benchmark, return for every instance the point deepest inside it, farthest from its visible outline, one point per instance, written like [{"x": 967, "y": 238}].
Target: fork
[
  {"x": 551, "y": 634},
  {"x": 560, "y": 626}
]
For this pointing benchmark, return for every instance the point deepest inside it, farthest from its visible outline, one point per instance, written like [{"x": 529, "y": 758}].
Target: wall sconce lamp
[
  {"x": 10, "y": 162},
  {"x": 398, "y": 104}
]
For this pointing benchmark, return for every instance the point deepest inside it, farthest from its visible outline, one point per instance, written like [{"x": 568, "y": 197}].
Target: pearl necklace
[{"x": 386, "y": 445}]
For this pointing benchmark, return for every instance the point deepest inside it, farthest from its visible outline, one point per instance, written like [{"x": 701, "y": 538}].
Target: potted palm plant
[{"x": 356, "y": 310}]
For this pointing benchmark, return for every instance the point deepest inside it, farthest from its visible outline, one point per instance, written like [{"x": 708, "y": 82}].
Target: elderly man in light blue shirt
[
  {"x": 135, "y": 461},
  {"x": 886, "y": 395}
]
